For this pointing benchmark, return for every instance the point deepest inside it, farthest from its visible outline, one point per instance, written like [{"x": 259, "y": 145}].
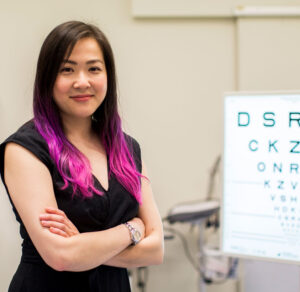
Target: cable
[
  {"x": 186, "y": 249},
  {"x": 196, "y": 265},
  {"x": 213, "y": 172}
]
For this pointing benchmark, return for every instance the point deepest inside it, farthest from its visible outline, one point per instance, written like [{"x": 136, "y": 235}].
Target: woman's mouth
[{"x": 81, "y": 97}]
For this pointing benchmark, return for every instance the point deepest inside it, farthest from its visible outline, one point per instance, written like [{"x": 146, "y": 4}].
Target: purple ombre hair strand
[
  {"x": 72, "y": 165},
  {"x": 121, "y": 161}
]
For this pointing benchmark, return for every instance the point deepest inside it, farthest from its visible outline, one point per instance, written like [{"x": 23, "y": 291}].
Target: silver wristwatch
[{"x": 134, "y": 234}]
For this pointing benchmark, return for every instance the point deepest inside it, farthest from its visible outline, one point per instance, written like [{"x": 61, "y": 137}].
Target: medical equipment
[{"x": 212, "y": 266}]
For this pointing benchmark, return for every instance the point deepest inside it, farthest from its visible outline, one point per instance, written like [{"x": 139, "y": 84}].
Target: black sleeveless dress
[{"x": 114, "y": 207}]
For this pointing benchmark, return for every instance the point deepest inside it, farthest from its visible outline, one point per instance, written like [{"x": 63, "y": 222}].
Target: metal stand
[
  {"x": 201, "y": 242},
  {"x": 196, "y": 213}
]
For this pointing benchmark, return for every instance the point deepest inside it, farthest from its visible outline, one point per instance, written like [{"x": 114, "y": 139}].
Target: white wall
[{"x": 172, "y": 74}]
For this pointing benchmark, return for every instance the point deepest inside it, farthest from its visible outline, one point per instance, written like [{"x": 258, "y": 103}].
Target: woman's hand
[{"x": 58, "y": 223}]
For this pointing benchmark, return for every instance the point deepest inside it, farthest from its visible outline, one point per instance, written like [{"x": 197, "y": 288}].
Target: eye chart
[{"x": 261, "y": 190}]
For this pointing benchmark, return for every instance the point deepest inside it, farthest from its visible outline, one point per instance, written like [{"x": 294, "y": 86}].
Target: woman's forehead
[{"x": 86, "y": 48}]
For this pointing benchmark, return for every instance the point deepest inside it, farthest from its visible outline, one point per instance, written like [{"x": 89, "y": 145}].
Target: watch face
[{"x": 136, "y": 236}]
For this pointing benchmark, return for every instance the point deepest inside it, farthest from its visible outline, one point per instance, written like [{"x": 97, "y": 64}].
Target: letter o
[{"x": 261, "y": 166}]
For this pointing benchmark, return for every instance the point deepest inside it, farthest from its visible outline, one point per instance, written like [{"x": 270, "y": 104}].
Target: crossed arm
[{"x": 30, "y": 187}]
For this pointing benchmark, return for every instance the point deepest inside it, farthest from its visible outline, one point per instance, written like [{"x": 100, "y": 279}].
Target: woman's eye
[
  {"x": 95, "y": 69},
  {"x": 66, "y": 70}
]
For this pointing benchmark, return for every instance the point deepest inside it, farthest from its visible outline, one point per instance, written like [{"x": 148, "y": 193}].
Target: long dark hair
[{"x": 71, "y": 163}]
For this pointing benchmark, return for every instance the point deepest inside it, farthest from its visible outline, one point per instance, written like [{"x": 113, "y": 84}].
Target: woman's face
[{"x": 81, "y": 83}]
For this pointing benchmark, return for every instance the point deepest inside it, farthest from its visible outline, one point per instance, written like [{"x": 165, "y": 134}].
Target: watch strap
[{"x": 132, "y": 231}]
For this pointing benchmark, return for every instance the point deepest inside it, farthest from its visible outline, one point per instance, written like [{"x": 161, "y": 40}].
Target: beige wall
[
  {"x": 269, "y": 53},
  {"x": 172, "y": 74}
]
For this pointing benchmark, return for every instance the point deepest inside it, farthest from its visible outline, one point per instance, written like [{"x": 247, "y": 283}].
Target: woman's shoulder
[
  {"x": 130, "y": 140},
  {"x": 132, "y": 144},
  {"x": 26, "y": 131},
  {"x": 135, "y": 149},
  {"x": 28, "y": 137}
]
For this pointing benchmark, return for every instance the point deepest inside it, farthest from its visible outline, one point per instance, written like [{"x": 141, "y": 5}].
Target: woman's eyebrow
[
  {"x": 88, "y": 62},
  {"x": 94, "y": 61},
  {"x": 70, "y": 62}
]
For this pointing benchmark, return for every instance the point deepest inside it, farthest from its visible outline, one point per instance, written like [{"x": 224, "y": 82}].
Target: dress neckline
[{"x": 108, "y": 176}]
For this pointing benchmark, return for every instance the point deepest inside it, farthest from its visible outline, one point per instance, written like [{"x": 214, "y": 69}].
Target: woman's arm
[
  {"x": 30, "y": 187},
  {"x": 148, "y": 252}
]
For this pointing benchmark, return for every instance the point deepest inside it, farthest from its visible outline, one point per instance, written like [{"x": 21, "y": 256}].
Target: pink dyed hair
[{"x": 72, "y": 165}]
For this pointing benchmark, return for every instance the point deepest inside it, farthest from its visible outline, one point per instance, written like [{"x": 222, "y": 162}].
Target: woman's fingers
[
  {"x": 53, "y": 217},
  {"x": 55, "y": 211},
  {"x": 66, "y": 219},
  {"x": 57, "y": 219},
  {"x": 58, "y": 231},
  {"x": 73, "y": 228},
  {"x": 54, "y": 224}
]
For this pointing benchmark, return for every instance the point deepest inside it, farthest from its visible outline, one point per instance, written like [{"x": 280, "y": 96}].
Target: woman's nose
[{"x": 82, "y": 81}]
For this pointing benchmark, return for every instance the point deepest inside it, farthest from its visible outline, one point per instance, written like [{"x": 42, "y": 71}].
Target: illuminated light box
[{"x": 261, "y": 187}]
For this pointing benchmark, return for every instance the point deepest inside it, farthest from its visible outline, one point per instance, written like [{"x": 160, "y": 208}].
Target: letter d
[{"x": 243, "y": 119}]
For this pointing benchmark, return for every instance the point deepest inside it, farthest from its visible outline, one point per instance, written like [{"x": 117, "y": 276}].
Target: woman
[{"x": 76, "y": 182}]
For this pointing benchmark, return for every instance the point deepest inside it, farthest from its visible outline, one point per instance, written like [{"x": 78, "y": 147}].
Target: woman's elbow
[
  {"x": 58, "y": 266},
  {"x": 57, "y": 261},
  {"x": 159, "y": 254},
  {"x": 159, "y": 259},
  {"x": 57, "y": 256}
]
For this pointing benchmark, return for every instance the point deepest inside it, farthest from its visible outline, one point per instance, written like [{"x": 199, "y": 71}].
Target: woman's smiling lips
[{"x": 81, "y": 97}]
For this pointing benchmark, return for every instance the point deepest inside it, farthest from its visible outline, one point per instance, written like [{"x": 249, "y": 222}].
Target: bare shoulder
[
  {"x": 15, "y": 153},
  {"x": 21, "y": 165},
  {"x": 27, "y": 178},
  {"x": 30, "y": 187}
]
